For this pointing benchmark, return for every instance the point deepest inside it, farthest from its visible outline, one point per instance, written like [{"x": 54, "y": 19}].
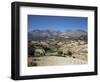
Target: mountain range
[{"x": 47, "y": 34}]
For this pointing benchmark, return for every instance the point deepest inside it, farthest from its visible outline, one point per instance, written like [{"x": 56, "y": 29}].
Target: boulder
[{"x": 39, "y": 52}]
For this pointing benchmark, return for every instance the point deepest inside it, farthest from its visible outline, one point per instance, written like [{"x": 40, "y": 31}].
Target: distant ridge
[{"x": 46, "y": 34}]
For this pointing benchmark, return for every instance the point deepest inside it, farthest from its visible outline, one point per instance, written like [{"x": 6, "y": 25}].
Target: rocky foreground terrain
[{"x": 56, "y": 48}]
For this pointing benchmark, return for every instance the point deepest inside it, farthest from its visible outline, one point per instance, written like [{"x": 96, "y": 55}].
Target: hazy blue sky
[{"x": 61, "y": 23}]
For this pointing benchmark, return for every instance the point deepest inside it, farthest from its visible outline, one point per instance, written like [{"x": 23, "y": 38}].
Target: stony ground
[
  {"x": 53, "y": 60},
  {"x": 57, "y": 52}
]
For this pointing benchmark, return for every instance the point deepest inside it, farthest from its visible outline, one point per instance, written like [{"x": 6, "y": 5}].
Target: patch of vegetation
[
  {"x": 32, "y": 64},
  {"x": 31, "y": 50},
  {"x": 69, "y": 53},
  {"x": 60, "y": 53}
]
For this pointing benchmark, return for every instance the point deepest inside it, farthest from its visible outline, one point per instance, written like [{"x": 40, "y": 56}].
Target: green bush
[
  {"x": 31, "y": 50},
  {"x": 69, "y": 53},
  {"x": 60, "y": 53}
]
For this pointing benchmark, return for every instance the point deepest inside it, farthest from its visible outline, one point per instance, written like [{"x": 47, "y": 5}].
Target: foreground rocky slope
[{"x": 57, "y": 52}]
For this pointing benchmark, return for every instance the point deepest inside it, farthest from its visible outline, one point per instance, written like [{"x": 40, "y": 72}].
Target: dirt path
[{"x": 53, "y": 60}]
